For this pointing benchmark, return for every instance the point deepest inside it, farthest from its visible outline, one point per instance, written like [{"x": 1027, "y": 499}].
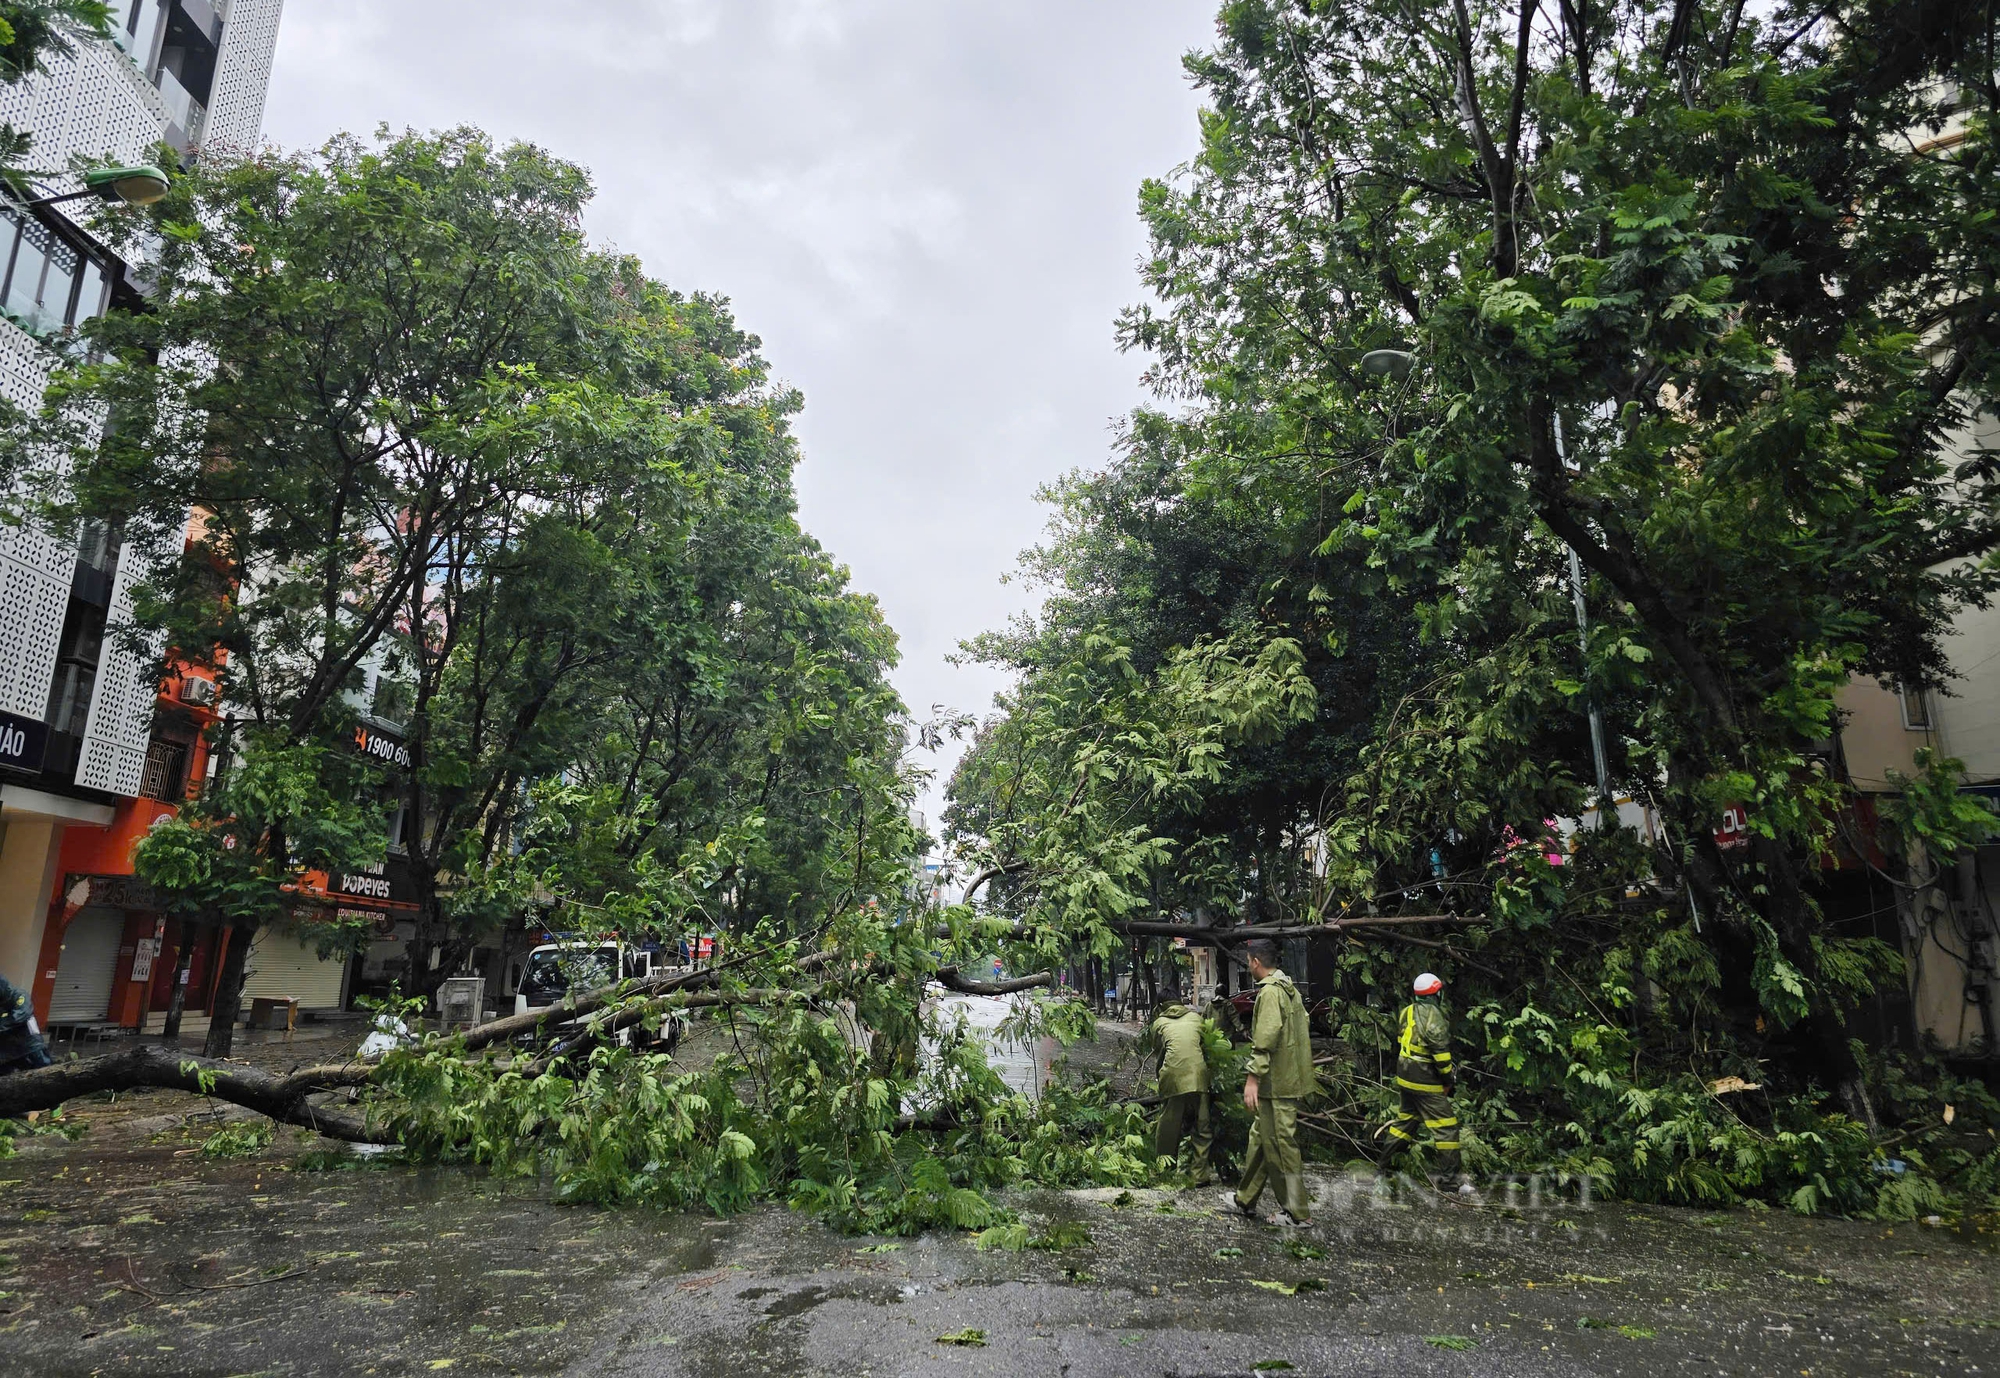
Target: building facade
[
  {"x": 95, "y": 747},
  {"x": 1946, "y": 910}
]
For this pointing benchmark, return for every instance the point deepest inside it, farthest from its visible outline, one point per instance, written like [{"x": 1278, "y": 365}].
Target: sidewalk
[{"x": 329, "y": 1038}]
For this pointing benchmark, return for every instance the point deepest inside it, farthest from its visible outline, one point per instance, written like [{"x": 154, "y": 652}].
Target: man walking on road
[
  {"x": 1280, "y": 1076},
  {"x": 1424, "y": 1076},
  {"x": 1184, "y": 1085}
]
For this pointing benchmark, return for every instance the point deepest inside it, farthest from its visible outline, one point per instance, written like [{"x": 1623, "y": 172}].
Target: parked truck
[{"x": 555, "y": 969}]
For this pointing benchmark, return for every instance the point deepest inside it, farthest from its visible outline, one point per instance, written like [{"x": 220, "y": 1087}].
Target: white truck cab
[{"x": 553, "y": 970}]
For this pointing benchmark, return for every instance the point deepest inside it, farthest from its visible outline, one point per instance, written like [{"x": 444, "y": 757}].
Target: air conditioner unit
[{"x": 197, "y": 692}]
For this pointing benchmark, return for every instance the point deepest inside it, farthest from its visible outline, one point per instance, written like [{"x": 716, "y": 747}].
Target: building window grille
[{"x": 165, "y": 776}]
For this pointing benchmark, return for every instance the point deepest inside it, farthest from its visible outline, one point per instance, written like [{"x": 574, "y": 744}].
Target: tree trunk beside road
[{"x": 228, "y": 993}]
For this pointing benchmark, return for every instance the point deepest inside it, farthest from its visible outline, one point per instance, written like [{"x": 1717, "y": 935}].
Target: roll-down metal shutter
[
  {"x": 84, "y": 971},
  {"x": 281, "y": 967}
]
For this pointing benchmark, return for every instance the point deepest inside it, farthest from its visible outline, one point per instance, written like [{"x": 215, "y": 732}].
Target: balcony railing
[{"x": 182, "y": 107}]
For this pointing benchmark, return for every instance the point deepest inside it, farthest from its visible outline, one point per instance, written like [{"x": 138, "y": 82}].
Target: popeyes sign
[{"x": 1734, "y": 829}]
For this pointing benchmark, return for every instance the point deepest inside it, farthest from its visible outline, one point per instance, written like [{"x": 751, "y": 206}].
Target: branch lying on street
[
  {"x": 500, "y": 1030},
  {"x": 284, "y": 1099}
]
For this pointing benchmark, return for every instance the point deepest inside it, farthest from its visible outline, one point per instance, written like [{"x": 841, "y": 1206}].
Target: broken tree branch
[
  {"x": 285, "y": 1099},
  {"x": 950, "y": 979}
]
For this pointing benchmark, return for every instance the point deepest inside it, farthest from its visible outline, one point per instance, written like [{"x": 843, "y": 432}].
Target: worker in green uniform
[
  {"x": 1424, "y": 1076},
  {"x": 1280, "y": 1076},
  {"x": 1184, "y": 1088},
  {"x": 21, "y": 1047}
]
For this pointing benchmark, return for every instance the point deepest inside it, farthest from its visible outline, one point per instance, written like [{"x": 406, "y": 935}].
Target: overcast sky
[{"x": 925, "y": 208}]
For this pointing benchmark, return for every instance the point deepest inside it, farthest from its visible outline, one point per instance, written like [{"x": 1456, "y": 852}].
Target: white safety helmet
[{"x": 1427, "y": 984}]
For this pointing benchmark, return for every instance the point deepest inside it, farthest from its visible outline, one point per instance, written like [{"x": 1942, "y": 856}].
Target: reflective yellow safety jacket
[{"x": 1423, "y": 1047}]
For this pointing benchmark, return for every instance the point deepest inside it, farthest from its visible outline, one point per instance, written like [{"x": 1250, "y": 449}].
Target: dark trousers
[
  {"x": 1274, "y": 1156},
  {"x": 1179, "y": 1116}
]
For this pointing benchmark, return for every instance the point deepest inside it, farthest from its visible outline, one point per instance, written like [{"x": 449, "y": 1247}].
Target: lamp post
[{"x": 137, "y": 185}]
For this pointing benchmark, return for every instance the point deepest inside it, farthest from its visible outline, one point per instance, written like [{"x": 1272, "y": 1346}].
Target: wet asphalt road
[{"x": 128, "y": 1253}]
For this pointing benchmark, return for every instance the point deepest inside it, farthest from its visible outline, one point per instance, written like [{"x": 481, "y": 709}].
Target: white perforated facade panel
[
  {"x": 34, "y": 568},
  {"x": 236, "y": 107},
  {"x": 97, "y": 104},
  {"x": 33, "y": 601},
  {"x": 121, "y": 707},
  {"x": 24, "y": 368}
]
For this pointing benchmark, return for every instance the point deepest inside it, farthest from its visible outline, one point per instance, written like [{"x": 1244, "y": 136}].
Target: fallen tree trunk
[
  {"x": 634, "y": 1014},
  {"x": 592, "y": 1001},
  {"x": 285, "y": 1098},
  {"x": 950, "y": 979},
  {"x": 1243, "y": 933}
]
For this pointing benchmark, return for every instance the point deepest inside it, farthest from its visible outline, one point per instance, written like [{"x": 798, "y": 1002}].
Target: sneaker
[
  {"x": 1284, "y": 1219},
  {"x": 1231, "y": 1206}
]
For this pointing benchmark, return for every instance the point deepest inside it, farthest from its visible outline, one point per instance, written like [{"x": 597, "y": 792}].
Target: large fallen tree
[{"x": 565, "y": 1027}]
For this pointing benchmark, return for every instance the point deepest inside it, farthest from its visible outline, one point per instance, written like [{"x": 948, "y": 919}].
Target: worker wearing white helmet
[{"x": 1424, "y": 1076}]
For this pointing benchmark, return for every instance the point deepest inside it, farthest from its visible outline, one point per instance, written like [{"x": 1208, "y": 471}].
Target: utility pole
[{"x": 1606, "y": 809}]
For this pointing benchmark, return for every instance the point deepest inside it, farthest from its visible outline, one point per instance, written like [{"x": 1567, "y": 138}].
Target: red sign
[{"x": 1734, "y": 829}]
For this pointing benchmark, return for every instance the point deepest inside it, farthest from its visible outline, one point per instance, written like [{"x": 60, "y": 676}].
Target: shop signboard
[
  {"x": 382, "y": 746},
  {"x": 1734, "y": 830},
  {"x": 22, "y": 743}
]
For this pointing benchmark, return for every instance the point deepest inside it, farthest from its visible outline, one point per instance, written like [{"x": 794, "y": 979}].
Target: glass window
[
  {"x": 554, "y": 971},
  {"x": 24, "y": 284},
  {"x": 1916, "y": 709},
  {"x": 142, "y": 31},
  {"x": 48, "y": 284},
  {"x": 69, "y": 698},
  {"x": 93, "y": 297},
  {"x": 58, "y": 299},
  {"x": 97, "y": 545}
]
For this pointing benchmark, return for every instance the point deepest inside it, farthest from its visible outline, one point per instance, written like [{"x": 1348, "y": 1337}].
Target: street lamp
[
  {"x": 138, "y": 185},
  {"x": 1388, "y": 363}
]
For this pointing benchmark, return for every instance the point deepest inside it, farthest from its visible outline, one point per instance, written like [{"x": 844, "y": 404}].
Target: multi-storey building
[
  {"x": 1943, "y": 910},
  {"x": 94, "y": 746}
]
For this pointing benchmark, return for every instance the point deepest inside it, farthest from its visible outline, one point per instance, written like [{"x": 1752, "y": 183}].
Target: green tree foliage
[
  {"x": 458, "y": 473},
  {"x": 1703, "y": 293},
  {"x": 794, "y": 1107},
  {"x": 1091, "y": 778}
]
